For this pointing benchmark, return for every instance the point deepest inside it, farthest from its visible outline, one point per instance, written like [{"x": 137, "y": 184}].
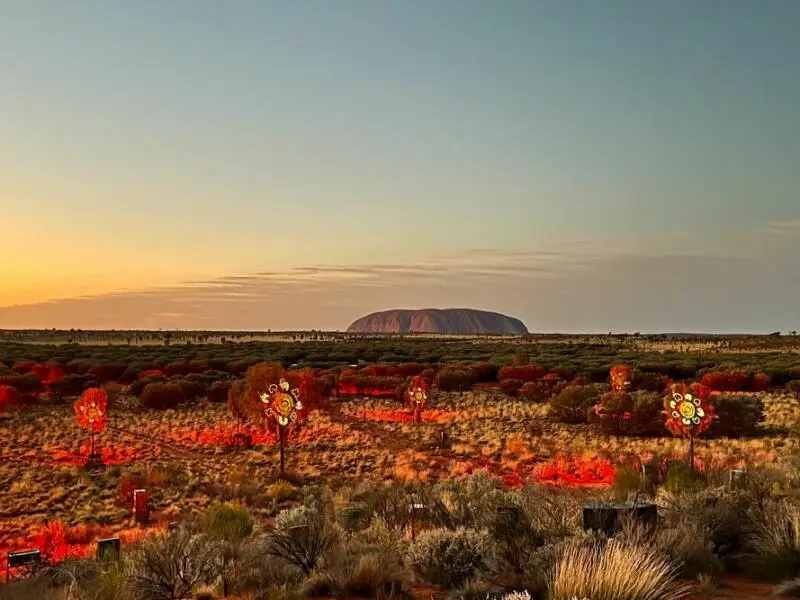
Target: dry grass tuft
[{"x": 614, "y": 571}]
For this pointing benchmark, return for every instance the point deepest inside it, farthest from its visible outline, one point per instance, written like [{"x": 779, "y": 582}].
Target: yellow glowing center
[
  {"x": 687, "y": 409},
  {"x": 283, "y": 404}
]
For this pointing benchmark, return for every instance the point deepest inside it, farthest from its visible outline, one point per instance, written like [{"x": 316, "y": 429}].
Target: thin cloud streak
[{"x": 652, "y": 289}]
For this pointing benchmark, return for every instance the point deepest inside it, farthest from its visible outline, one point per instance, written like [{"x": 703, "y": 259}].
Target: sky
[{"x": 584, "y": 166}]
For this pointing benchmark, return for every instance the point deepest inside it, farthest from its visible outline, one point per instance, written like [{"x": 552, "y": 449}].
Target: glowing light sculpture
[
  {"x": 689, "y": 412},
  {"x": 282, "y": 407},
  {"x": 621, "y": 378},
  {"x": 91, "y": 413},
  {"x": 417, "y": 396}
]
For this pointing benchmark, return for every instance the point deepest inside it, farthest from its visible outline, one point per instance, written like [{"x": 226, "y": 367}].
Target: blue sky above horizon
[{"x": 583, "y": 166}]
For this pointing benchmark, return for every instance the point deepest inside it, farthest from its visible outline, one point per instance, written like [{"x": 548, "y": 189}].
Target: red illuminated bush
[
  {"x": 23, "y": 367},
  {"x": 90, "y": 409},
  {"x": 48, "y": 373},
  {"x": 735, "y": 381},
  {"x": 377, "y": 371},
  {"x": 10, "y": 398},
  {"x": 152, "y": 374},
  {"x": 161, "y": 396},
  {"x": 621, "y": 377},
  {"x": 380, "y": 386},
  {"x": 522, "y": 372}
]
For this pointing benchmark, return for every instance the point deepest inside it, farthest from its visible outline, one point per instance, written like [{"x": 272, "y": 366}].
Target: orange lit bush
[
  {"x": 90, "y": 410},
  {"x": 621, "y": 378},
  {"x": 152, "y": 374},
  {"x": 378, "y": 386},
  {"x": 10, "y": 398},
  {"x": 403, "y": 416},
  {"x": 598, "y": 472},
  {"x": 735, "y": 381},
  {"x": 110, "y": 456},
  {"x": 49, "y": 373},
  {"x": 58, "y": 542}
]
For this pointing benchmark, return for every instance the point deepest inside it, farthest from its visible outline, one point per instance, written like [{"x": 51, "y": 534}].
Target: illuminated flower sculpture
[
  {"x": 689, "y": 412},
  {"x": 279, "y": 400},
  {"x": 417, "y": 396},
  {"x": 90, "y": 413},
  {"x": 281, "y": 403},
  {"x": 621, "y": 377}
]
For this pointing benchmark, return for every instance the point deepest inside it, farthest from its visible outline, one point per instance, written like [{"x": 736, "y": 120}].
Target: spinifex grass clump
[{"x": 614, "y": 571}]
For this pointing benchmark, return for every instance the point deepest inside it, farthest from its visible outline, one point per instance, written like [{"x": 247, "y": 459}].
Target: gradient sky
[{"x": 249, "y": 164}]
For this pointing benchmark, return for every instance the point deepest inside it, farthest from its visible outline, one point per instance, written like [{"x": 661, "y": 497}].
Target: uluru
[{"x": 464, "y": 321}]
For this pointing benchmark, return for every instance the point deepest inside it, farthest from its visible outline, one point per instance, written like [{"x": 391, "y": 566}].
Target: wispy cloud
[{"x": 646, "y": 284}]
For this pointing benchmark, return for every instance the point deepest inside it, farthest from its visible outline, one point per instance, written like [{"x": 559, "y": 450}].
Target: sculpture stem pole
[
  {"x": 281, "y": 438},
  {"x": 691, "y": 450}
]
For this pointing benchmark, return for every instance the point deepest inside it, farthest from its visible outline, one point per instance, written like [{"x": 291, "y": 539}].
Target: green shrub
[
  {"x": 707, "y": 530},
  {"x": 449, "y": 557},
  {"x": 773, "y": 552},
  {"x": 629, "y": 481},
  {"x": 736, "y": 416},
  {"x": 301, "y": 537},
  {"x": 229, "y": 522},
  {"x": 375, "y": 576},
  {"x": 794, "y": 386},
  {"x": 681, "y": 477},
  {"x": 637, "y": 414},
  {"x": 573, "y": 403},
  {"x": 455, "y": 379}
]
